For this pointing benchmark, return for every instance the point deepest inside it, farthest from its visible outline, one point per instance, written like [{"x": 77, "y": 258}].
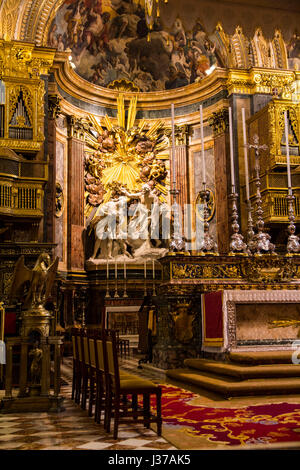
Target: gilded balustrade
[
  {"x": 274, "y": 193},
  {"x": 268, "y": 124},
  {"x": 21, "y": 199}
]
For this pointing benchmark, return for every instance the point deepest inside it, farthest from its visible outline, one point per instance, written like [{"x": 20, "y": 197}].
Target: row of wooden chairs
[{"x": 99, "y": 383}]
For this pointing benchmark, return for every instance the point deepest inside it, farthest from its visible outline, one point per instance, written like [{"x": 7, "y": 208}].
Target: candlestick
[
  {"x": 116, "y": 279},
  {"x": 287, "y": 153},
  {"x": 125, "y": 280},
  {"x": 202, "y": 148},
  {"x": 261, "y": 241},
  {"x": 246, "y": 155},
  {"x": 293, "y": 245},
  {"x": 173, "y": 145},
  {"x": 208, "y": 244},
  {"x": 231, "y": 150},
  {"x": 237, "y": 244},
  {"x": 107, "y": 278},
  {"x": 153, "y": 269},
  {"x": 145, "y": 271}
]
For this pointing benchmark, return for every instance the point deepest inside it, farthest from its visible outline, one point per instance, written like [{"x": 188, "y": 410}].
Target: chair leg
[
  {"x": 135, "y": 407},
  {"x": 146, "y": 406},
  {"x": 91, "y": 396},
  {"x": 158, "y": 411},
  {"x": 84, "y": 391},
  {"x": 116, "y": 416},
  {"x": 97, "y": 398},
  {"x": 108, "y": 409},
  {"x": 78, "y": 387},
  {"x": 99, "y": 404},
  {"x": 74, "y": 380}
]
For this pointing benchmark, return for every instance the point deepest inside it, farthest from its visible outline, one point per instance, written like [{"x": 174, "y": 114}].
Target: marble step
[
  {"x": 262, "y": 357},
  {"x": 242, "y": 372},
  {"x": 230, "y": 387}
]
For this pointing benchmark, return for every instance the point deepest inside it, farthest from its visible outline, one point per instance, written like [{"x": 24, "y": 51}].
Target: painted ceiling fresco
[{"x": 109, "y": 41}]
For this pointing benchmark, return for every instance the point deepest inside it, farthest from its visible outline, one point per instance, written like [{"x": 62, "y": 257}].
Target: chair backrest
[
  {"x": 79, "y": 346},
  {"x": 111, "y": 354},
  {"x": 74, "y": 348},
  {"x": 100, "y": 354},
  {"x": 85, "y": 349},
  {"x": 92, "y": 349}
]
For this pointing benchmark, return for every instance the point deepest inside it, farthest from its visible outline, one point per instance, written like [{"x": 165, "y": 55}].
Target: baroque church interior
[{"x": 149, "y": 202}]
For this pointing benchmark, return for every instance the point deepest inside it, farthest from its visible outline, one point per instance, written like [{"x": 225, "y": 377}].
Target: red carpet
[{"x": 259, "y": 424}]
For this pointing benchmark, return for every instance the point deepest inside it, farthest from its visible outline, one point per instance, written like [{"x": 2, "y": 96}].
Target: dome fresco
[{"x": 109, "y": 40}]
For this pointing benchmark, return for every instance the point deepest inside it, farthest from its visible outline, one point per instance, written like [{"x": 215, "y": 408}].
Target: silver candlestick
[
  {"x": 237, "y": 244},
  {"x": 154, "y": 291},
  {"x": 125, "y": 288},
  {"x": 250, "y": 229},
  {"x": 208, "y": 244},
  {"x": 116, "y": 295},
  {"x": 293, "y": 245},
  {"x": 177, "y": 244},
  {"x": 261, "y": 241},
  {"x": 107, "y": 295}
]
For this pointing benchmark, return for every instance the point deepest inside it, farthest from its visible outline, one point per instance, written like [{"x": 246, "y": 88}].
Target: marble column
[
  {"x": 219, "y": 124},
  {"x": 75, "y": 243},
  {"x": 50, "y": 188},
  {"x": 181, "y": 164}
]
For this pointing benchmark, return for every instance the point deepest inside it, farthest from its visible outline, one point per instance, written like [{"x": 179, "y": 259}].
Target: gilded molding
[{"x": 240, "y": 272}]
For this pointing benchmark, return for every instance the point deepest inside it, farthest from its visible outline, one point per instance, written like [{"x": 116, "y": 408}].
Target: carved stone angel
[{"x": 32, "y": 287}]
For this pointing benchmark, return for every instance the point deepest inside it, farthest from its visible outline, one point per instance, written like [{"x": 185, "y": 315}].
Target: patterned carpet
[{"x": 273, "y": 423}]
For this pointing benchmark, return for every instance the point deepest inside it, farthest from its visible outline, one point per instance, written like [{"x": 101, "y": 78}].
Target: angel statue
[{"x": 32, "y": 287}]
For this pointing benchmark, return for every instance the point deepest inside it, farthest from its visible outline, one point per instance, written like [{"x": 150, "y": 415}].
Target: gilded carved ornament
[
  {"x": 24, "y": 60},
  {"x": 276, "y": 111},
  {"x": 272, "y": 81},
  {"x": 54, "y": 108},
  {"x": 14, "y": 93},
  {"x": 9, "y": 17},
  {"x": 219, "y": 121}
]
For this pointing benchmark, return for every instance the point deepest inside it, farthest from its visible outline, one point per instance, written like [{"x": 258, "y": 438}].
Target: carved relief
[{"x": 183, "y": 323}]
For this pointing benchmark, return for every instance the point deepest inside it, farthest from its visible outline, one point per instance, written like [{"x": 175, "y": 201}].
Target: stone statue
[
  {"x": 125, "y": 230},
  {"x": 32, "y": 287},
  {"x": 110, "y": 236},
  {"x": 36, "y": 366}
]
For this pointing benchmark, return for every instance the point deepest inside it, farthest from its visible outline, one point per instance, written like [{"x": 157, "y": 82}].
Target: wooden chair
[
  {"x": 76, "y": 380},
  {"x": 101, "y": 382},
  {"x": 118, "y": 386},
  {"x": 100, "y": 377},
  {"x": 93, "y": 378},
  {"x": 123, "y": 345},
  {"x": 85, "y": 368}
]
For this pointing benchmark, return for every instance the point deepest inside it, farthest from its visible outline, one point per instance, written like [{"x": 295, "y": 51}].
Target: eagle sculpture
[{"x": 32, "y": 287}]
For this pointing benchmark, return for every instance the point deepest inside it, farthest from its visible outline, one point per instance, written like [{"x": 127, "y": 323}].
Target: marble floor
[{"x": 72, "y": 429}]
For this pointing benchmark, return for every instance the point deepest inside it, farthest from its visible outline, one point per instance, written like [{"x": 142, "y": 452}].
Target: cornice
[{"x": 80, "y": 89}]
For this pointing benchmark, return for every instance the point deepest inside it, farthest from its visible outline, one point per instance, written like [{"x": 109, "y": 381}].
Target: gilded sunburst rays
[{"x": 126, "y": 154}]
